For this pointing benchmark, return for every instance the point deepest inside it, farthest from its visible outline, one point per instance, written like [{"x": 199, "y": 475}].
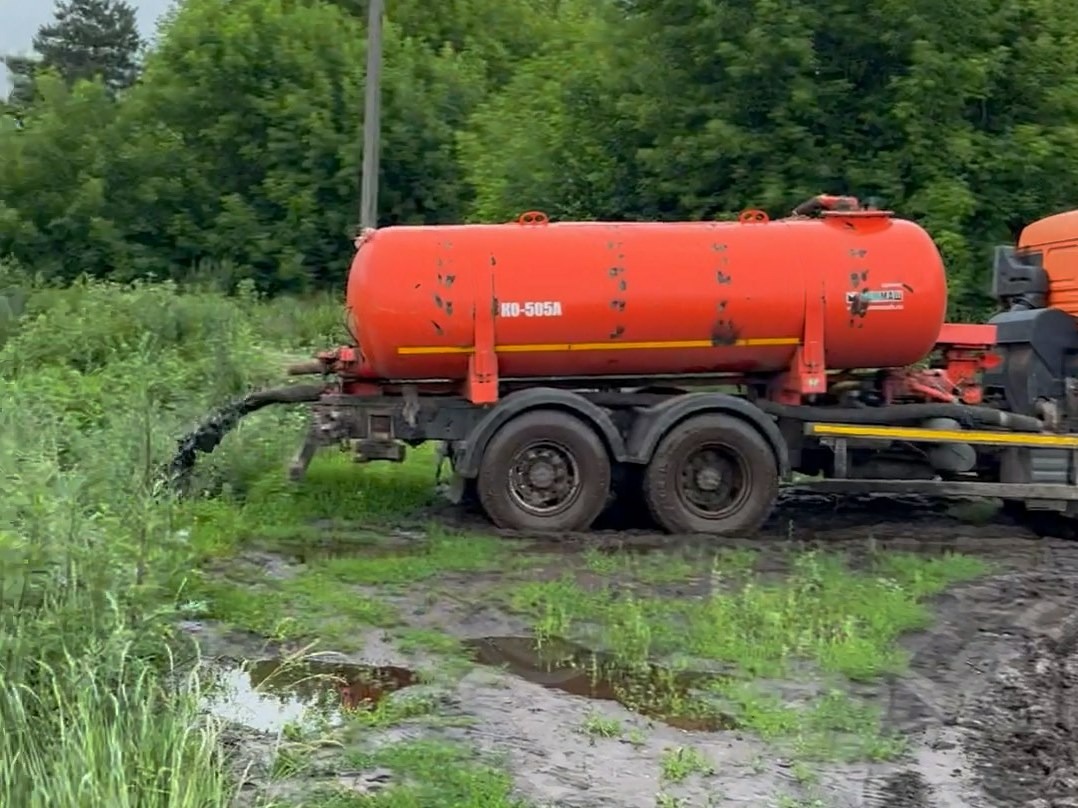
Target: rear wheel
[
  {"x": 1042, "y": 522},
  {"x": 545, "y": 470},
  {"x": 712, "y": 474}
]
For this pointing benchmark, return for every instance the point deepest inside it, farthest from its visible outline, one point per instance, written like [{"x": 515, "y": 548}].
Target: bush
[{"x": 96, "y": 382}]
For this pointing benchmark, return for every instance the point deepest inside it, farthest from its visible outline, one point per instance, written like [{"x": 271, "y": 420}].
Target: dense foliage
[
  {"x": 236, "y": 154},
  {"x": 96, "y": 566}
]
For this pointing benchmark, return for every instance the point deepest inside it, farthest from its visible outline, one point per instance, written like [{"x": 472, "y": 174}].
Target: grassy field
[{"x": 97, "y": 382}]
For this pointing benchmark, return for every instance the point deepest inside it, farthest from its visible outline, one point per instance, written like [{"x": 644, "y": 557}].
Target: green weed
[
  {"x": 310, "y": 605},
  {"x": 844, "y": 621},
  {"x": 439, "y": 552},
  {"x": 410, "y": 640},
  {"x": 840, "y": 622},
  {"x": 323, "y": 599},
  {"x": 599, "y": 726},
  {"x": 679, "y": 763},
  {"x": 390, "y": 712},
  {"x": 335, "y": 494},
  {"x": 438, "y": 775},
  {"x": 831, "y": 726}
]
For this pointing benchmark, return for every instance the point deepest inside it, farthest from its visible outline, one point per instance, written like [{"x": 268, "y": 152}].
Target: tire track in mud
[
  {"x": 1000, "y": 631},
  {"x": 991, "y": 698},
  {"x": 1025, "y": 725}
]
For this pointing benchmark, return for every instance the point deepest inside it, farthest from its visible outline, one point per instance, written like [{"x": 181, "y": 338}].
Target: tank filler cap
[
  {"x": 753, "y": 216},
  {"x": 533, "y": 217}
]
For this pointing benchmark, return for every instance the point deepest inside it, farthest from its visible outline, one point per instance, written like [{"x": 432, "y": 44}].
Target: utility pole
[{"x": 372, "y": 113}]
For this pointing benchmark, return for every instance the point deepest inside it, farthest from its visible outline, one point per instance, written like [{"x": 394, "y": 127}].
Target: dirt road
[{"x": 987, "y": 704}]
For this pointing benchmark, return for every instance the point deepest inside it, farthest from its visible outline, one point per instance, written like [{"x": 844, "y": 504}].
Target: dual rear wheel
[{"x": 549, "y": 471}]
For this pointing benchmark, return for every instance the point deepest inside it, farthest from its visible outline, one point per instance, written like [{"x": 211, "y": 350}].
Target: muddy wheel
[
  {"x": 1042, "y": 523},
  {"x": 712, "y": 474},
  {"x": 544, "y": 471}
]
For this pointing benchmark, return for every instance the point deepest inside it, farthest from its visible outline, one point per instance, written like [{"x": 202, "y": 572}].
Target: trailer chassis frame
[{"x": 1038, "y": 496}]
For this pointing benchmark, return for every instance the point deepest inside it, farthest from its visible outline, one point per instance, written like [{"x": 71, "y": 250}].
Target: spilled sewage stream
[{"x": 270, "y": 694}]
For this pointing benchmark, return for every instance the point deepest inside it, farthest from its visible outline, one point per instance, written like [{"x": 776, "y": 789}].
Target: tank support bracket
[
  {"x": 482, "y": 384},
  {"x": 807, "y": 375}
]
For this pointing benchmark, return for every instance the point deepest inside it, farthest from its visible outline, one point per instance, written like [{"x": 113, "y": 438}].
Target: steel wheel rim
[
  {"x": 712, "y": 481},
  {"x": 544, "y": 478}
]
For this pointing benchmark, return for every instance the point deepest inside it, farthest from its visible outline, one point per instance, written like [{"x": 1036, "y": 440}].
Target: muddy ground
[{"x": 989, "y": 704}]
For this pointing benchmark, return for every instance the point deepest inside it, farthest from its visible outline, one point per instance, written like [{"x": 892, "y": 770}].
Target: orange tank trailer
[
  {"x": 634, "y": 299},
  {"x": 559, "y": 366}
]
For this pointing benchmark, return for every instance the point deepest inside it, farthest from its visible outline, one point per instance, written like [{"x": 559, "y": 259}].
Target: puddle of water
[
  {"x": 271, "y": 694},
  {"x": 650, "y": 690},
  {"x": 569, "y": 546},
  {"x": 328, "y": 550},
  {"x": 338, "y": 544}
]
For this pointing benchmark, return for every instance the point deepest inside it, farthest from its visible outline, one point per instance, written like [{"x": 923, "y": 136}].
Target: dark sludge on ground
[{"x": 645, "y": 688}]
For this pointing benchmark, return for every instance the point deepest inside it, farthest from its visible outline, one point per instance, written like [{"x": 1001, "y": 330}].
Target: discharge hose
[{"x": 206, "y": 437}]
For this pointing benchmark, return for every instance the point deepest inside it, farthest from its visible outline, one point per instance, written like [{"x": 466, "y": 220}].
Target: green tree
[
  {"x": 242, "y": 143},
  {"x": 21, "y": 71},
  {"x": 555, "y": 137},
  {"x": 55, "y": 211},
  {"x": 88, "y": 39},
  {"x": 498, "y": 34}
]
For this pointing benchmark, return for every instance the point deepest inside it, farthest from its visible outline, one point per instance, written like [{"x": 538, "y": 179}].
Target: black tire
[
  {"x": 562, "y": 443},
  {"x": 737, "y": 459},
  {"x": 1045, "y": 524}
]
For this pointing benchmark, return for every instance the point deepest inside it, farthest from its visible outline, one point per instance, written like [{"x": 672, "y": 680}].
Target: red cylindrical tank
[{"x": 600, "y": 298}]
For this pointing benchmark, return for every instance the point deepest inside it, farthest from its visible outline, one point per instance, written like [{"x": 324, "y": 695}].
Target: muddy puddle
[
  {"x": 272, "y": 694},
  {"x": 648, "y": 689},
  {"x": 325, "y": 541}
]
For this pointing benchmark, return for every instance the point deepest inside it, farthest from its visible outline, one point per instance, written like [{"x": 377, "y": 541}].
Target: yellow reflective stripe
[
  {"x": 944, "y": 435},
  {"x": 554, "y": 347}
]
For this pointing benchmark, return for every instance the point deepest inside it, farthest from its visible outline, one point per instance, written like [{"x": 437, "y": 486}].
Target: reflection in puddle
[
  {"x": 270, "y": 694},
  {"x": 647, "y": 689}
]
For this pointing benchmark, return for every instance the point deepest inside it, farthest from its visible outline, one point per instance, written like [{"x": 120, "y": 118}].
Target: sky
[{"x": 19, "y": 21}]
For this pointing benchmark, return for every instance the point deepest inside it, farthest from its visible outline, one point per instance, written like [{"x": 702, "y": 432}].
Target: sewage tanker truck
[{"x": 695, "y": 365}]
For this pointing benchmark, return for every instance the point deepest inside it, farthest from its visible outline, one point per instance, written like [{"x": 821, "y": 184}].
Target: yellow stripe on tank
[{"x": 555, "y": 347}]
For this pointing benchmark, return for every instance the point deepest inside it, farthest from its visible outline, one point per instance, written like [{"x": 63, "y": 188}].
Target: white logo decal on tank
[
  {"x": 889, "y": 297},
  {"x": 531, "y": 308}
]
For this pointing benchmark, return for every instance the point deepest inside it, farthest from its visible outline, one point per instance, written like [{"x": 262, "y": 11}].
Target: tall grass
[
  {"x": 96, "y": 381},
  {"x": 88, "y": 730}
]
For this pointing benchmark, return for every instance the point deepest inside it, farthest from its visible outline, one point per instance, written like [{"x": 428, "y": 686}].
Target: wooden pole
[{"x": 372, "y": 112}]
